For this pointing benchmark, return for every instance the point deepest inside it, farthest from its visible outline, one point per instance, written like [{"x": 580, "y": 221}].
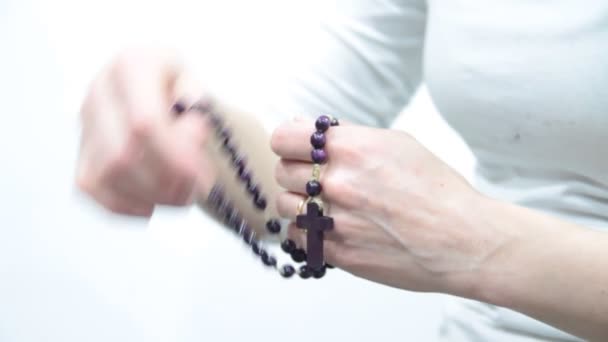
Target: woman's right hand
[{"x": 135, "y": 152}]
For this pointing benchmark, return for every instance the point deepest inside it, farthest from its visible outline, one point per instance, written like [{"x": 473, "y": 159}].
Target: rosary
[{"x": 311, "y": 220}]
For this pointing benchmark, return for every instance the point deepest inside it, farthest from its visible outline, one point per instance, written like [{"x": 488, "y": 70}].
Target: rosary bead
[
  {"x": 225, "y": 133},
  {"x": 273, "y": 226},
  {"x": 317, "y": 140},
  {"x": 298, "y": 255},
  {"x": 254, "y": 190},
  {"x": 225, "y": 210},
  {"x": 313, "y": 188},
  {"x": 240, "y": 170},
  {"x": 245, "y": 176},
  {"x": 305, "y": 272},
  {"x": 334, "y": 122},
  {"x": 287, "y": 271},
  {"x": 288, "y": 246},
  {"x": 216, "y": 196},
  {"x": 239, "y": 162},
  {"x": 267, "y": 259},
  {"x": 318, "y": 274},
  {"x": 261, "y": 203},
  {"x": 216, "y": 121},
  {"x": 178, "y": 107},
  {"x": 318, "y": 156},
  {"x": 263, "y": 254},
  {"x": 234, "y": 220},
  {"x": 231, "y": 149},
  {"x": 247, "y": 234},
  {"x": 323, "y": 123},
  {"x": 201, "y": 106},
  {"x": 255, "y": 247}
]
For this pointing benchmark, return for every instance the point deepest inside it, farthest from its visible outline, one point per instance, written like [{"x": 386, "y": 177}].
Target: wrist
[
  {"x": 525, "y": 242},
  {"x": 496, "y": 236}
]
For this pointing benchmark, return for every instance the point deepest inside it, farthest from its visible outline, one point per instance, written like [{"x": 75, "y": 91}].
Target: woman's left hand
[{"x": 402, "y": 217}]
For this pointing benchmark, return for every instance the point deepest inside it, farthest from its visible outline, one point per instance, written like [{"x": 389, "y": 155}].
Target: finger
[
  {"x": 117, "y": 202},
  {"x": 297, "y": 235},
  {"x": 287, "y": 204},
  {"x": 291, "y": 140},
  {"x": 180, "y": 150},
  {"x": 293, "y": 175},
  {"x": 170, "y": 166},
  {"x": 187, "y": 89},
  {"x": 144, "y": 84}
]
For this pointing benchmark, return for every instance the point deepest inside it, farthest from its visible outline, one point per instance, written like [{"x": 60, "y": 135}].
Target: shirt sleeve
[{"x": 363, "y": 63}]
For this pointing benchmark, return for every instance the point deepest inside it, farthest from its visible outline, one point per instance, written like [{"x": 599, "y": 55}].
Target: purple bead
[
  {"x": 323, "y": 123},
  {"x": 247, "y": 234},
  {"x": 245, "y": 176},
  {"x": 216, "y": 196},
  {"x": 273, "y": 226},
  {"x": 229, "y": 212},
  {"x": 261, "y": 203},
  {"x": 225, "y": 133},
  {"x": 305, "y": 272},
  {"x": 234, "y": 220},
  {"x": 255, "y": 247},
  {"x": 202, "y": 106},
  {"x": 318, "y": 156},
  {"x": 225, "y": 208},
  {"x": 240, "y": 170},
  {"x": 335, "y": 122},
  {"x": 254, "y": 190},
  {"x": 313, "y": 188},
  {"x": 298, "y": 255},
  {"x": 287, "y": 271},
  {"x": 288, "y": 246},
  {"x": 178, "y": 107},
  {"x": 317, "y": 140},
  {"x": 318, "y": 274},
  {"x": 268, "y": 259},
  {"x": 239, "y": 162},
  {"x": 216, "y": 120},
  {"x": 230, "y": 149}
]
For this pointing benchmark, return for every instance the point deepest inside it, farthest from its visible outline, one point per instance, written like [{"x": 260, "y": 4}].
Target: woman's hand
[
  {"x": 401, "y": 216},
  {"x": 134, "y": 151}
]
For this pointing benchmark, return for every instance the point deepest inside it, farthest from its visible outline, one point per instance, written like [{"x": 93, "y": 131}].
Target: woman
[{"x": 524, "y": 83}]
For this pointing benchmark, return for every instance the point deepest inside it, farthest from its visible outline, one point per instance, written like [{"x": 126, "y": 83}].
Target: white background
[{"x": 71, "y": 272}]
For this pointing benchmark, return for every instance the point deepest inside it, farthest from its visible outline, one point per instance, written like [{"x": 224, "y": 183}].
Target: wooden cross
[{"x": 315, "y": 224}]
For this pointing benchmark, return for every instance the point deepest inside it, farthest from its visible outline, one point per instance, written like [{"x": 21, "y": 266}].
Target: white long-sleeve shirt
[{"x": 525, "y": 83}]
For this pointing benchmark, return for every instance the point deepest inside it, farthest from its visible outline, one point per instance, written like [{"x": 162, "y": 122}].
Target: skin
[{"x": 402, "y": 217}]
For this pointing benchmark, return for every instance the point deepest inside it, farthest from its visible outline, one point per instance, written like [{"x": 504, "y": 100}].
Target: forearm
[{"x": 551, "y": 270}]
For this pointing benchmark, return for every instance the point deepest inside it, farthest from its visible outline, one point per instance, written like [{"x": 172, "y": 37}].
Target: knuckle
[
  {"x": 119, "y": 160},
  {"x": 334, "y": 185},
  {"x": 277, "y": 139},
  {"x": 115, "y": 207},
  {"x": 282, "y": 205},
  {"x": 140, "y": 126},
  {"x": 184, "y": 172},
  {"x": 124, "y": 60},
  {"x": 85, "y": 183},
  {"x": 279, "y": 173}
]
